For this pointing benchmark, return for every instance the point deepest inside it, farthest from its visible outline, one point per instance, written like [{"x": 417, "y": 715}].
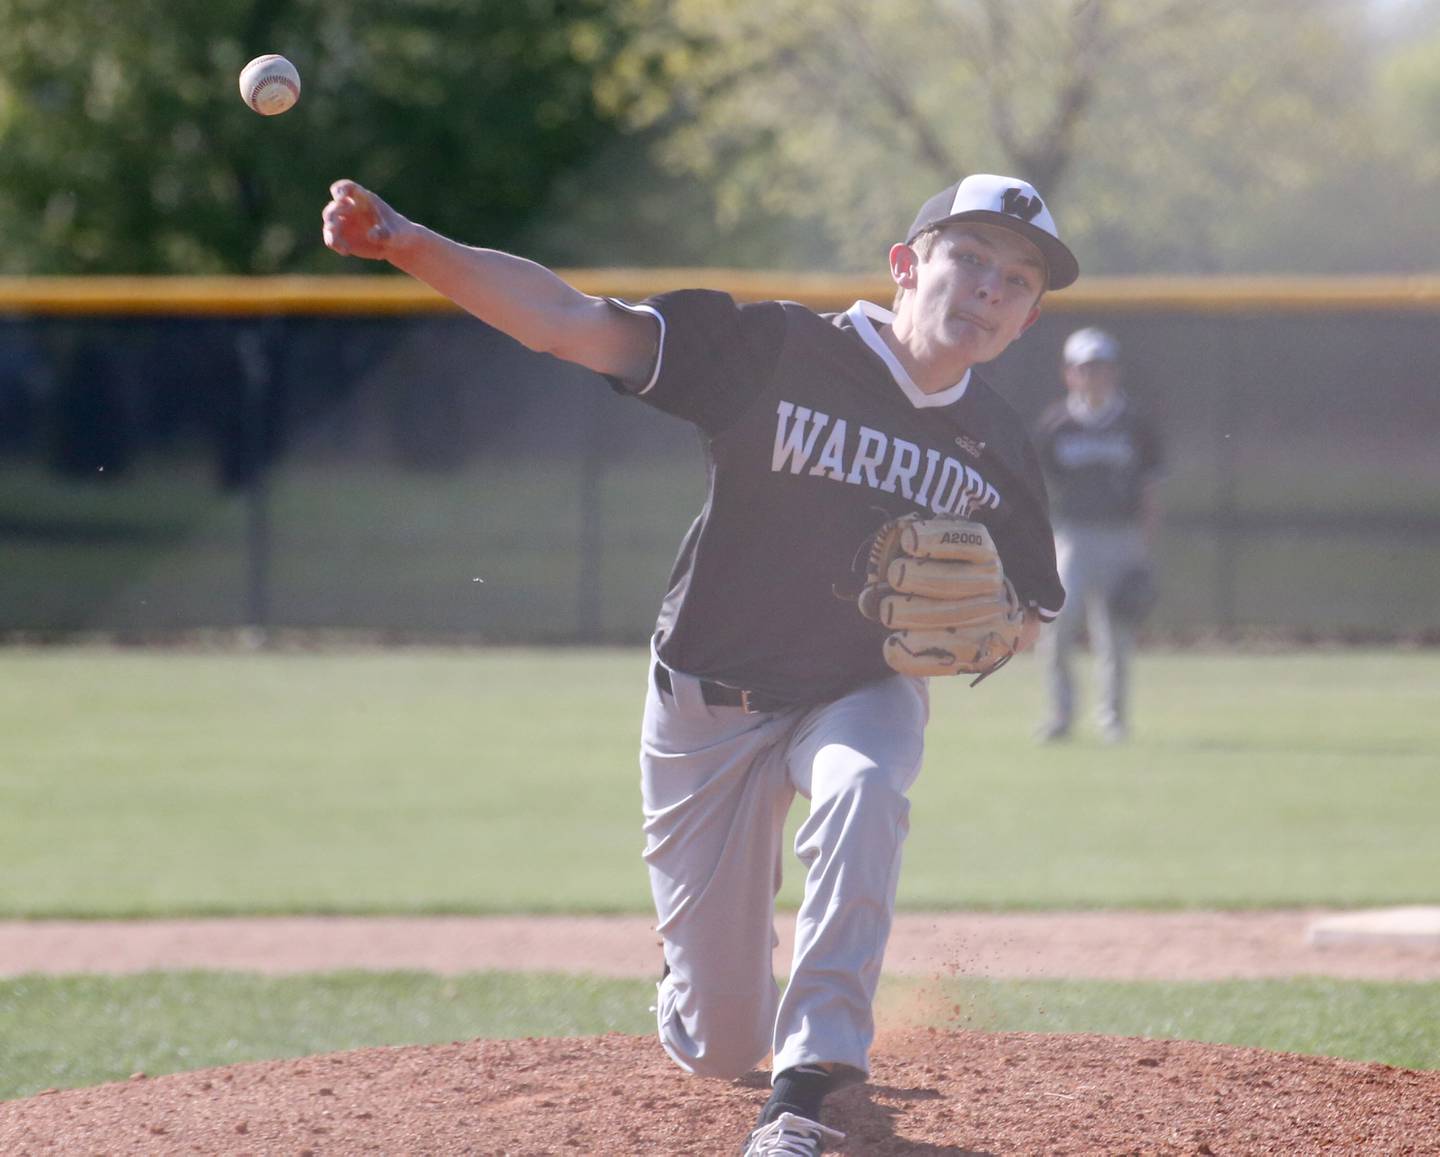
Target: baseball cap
[
  {"x": 1090, "y": 345},
  {"x": 1010, "y": 203}
]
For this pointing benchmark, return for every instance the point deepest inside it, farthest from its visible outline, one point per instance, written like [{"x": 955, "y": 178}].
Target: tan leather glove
[{"x": 938, "y": 583}]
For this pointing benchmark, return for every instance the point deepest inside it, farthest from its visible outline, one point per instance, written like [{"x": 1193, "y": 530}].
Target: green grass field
[
  {"x": 144, "y": 783},
  {"x": 64, "y": 1032}
]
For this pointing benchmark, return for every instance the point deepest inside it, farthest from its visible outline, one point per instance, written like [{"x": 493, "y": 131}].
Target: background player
[
  {"x": 763, "y": 683},
  {"x": 1102, "y": 460}
]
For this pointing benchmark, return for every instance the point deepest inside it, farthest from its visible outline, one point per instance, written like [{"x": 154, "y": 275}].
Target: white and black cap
[
  {"x": 1090, "y": 345},
  {"x": 1009, "y": 203}
]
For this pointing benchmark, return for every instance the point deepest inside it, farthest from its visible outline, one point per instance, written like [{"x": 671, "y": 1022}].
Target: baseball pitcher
[{"x": 876, "y": 517}]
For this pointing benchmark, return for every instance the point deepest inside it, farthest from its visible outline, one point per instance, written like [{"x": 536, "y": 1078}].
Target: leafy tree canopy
[
  {"x": 1169, "y": 135},
  {"x": 125, "y": 147},
  {"x": 1185, "y": 135}
]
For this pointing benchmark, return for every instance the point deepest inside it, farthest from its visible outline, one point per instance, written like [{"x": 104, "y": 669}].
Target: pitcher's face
[{"x": 976, "y": 291}]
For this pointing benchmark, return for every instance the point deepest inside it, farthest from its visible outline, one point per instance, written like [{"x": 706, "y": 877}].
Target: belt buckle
[{"x": 745, "y": 703}]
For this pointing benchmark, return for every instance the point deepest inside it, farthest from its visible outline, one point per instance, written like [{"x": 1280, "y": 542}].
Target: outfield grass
[
  {"x": 65, "y": 1032},
  {"x": 68, "y": 1031},
  {"x": 144, "y": 783},
  {"x": 1397, "y": 1024},
  {"x": 153, "y": 783}
]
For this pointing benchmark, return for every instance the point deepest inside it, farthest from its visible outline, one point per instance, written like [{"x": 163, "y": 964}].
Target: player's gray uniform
[
  {"x": 1098, "y": 465},
  {"x": 815, "y": 436},
  {"x": 717, "y": 784}
]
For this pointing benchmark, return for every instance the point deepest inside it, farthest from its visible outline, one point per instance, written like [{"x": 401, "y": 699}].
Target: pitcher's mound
[{"x": 930, "y": 1093}]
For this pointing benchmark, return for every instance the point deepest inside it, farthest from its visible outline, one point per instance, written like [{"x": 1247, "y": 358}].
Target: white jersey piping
[
  {"x": 659, "y": 345},
  {"x": 863, "y": 315}
]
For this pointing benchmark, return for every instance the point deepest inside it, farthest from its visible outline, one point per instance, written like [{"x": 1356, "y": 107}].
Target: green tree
[
  {"x": 125, "y": 147},
  {"x": 1409, "y": 95},
  {"x": 1170, "y": 134}
]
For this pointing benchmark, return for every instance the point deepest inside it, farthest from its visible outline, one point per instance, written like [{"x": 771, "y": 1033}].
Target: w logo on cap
[{"x": 1015, "y": 203}]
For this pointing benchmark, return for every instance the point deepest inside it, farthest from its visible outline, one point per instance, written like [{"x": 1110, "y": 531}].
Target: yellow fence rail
[{"x": 391, "y": 295}]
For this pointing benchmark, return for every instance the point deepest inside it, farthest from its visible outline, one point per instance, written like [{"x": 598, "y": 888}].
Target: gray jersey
[{"x": 1098, "y": 465}]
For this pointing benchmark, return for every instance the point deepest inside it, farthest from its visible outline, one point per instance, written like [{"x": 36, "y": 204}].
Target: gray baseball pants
[
  {"x": 717, "y": 784},
  {"x": 1090, "y": 559}
]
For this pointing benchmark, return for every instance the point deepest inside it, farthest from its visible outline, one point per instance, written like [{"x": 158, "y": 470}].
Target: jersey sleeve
[{"x": 714, "y": 355}]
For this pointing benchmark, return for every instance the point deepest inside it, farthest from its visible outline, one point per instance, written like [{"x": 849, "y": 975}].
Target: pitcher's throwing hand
[{"x": 357, "y": 223}]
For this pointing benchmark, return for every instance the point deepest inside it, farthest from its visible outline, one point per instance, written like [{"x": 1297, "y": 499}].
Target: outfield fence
[{"x": 353, "y": 454}]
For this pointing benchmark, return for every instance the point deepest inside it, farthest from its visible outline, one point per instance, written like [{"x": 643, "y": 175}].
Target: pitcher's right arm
[{"x": 514, "y": 295}]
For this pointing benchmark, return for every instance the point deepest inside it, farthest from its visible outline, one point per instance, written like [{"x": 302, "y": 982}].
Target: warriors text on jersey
[
  {"x": 1097, "y": 462},
  {"x": 815, "y": 436}
]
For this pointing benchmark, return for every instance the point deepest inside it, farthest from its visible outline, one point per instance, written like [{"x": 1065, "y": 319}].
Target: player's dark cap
[
  {"x": 1090, "y": 345},
  {"x": 1009, "y": 203}
]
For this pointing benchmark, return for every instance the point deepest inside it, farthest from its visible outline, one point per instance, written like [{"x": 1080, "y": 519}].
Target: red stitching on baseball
[{"x": 269, "y": 80}]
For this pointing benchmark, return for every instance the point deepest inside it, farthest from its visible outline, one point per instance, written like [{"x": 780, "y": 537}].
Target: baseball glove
[{"x": 938, "y": 584}]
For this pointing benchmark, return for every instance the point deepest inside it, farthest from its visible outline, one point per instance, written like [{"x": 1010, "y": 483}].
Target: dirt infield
[
  {"x": 932, "y": 1092},
  {"x": 1084, "y": 945}
]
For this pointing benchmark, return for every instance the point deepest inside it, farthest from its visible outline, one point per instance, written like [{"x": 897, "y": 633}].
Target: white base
[{"x": 1414, "y": 927}]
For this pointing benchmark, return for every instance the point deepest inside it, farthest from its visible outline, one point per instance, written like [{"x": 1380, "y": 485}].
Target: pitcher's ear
[{"x": 903, "y": 263}]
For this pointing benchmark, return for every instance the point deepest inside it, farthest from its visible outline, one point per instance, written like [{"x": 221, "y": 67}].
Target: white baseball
[{"x": 270, "y": 84}]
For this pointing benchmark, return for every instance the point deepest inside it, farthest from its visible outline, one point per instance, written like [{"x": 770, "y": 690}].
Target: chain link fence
[{"x": 369, "y": 461}]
